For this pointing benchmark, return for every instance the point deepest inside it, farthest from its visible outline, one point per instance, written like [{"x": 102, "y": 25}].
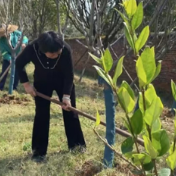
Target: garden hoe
[{"x": 119, "y": 131}]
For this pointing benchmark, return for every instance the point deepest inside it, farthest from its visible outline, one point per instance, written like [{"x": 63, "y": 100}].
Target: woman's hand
[
  {"x": 23, "y": 46},
  {"x": 29, "y": 89},
  {"x": 66, "y": 101}
]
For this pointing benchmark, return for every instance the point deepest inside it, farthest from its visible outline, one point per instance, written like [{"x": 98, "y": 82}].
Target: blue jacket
[{"x": 14, "y": 38}]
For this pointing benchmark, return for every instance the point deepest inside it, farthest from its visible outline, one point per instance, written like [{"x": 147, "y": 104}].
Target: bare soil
[{"x": 12, "y": 99}]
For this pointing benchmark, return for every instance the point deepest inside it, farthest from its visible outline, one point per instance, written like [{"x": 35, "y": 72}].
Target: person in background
[
  {"x": 13, "y": 37},
  {"x": 52, "y": 60}
]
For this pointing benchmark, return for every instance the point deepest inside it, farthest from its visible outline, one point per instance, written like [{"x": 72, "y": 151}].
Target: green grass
[{"x": 16, "y": 120}]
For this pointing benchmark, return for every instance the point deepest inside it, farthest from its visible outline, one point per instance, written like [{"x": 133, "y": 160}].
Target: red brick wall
[
  {"x": 168, "y": 71},
  {"x": 162, "y": 83},
  {"x": 78, "y": 50}
]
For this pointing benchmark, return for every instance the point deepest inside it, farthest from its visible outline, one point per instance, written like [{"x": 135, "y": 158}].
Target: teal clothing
[{"x": 14, "y": 38}]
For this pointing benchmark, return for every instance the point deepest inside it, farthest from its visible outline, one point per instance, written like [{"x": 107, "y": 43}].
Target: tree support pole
[{"x": 110, "y": 125}]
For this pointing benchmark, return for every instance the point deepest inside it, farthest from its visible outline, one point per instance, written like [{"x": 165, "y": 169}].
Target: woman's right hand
[{"x": 29, "y": 89}]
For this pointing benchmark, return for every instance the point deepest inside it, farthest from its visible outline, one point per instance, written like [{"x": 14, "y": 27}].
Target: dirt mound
[
  {"x": 12, "y": 99},
  {"x": 89, "y": 168}
]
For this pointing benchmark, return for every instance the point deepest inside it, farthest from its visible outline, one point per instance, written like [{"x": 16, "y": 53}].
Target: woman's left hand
[
  {"x": 67, "y": 104},
  {"x": 23, "y": 46}
]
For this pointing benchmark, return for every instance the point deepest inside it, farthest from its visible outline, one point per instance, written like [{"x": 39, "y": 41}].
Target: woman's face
[{"x": 53, "y": 55}]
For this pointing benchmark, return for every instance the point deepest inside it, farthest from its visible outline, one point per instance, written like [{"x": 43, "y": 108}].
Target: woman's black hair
[{"x": 50, "y": 42}]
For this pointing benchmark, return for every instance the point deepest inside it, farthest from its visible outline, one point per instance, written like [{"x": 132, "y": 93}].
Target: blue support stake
[
  {"x": 12, "y": 74},
  {"x": 110, "y": 123}
]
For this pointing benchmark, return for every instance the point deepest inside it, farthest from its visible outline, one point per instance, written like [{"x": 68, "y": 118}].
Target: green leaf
[
  {"x": 129, "y": 154},
  {"x": 150, "y": 94},
  {"x": 141, "y": 103},
  {"x": 126, "y": 124},
  {"x": 97, "y": 119},
  {"x": 130, "y": 7},
  {"x": 128, "y": 36},
  {"x": 148, "y": 166},
  {"x": 171, "y": 160},
  {"x": 127, "y": 145},
  {"x": 108, "y": 61},
  {"x": 141, "y": 158},
  {"x": 110, "y": 79},
  {"x": 140, "y": 42},
  {"x": 141, "y": 73},
  {"x": 156, "y": 125},
  {"x": 138, "y": 17},
  {"x": 103, "y": 63},
  {"x": 148, "y": 60},
  {"x": 160, "y": 141},
  {"x": 153, "y": 112},
  {"x": 149, "y": 148},
  {"x": 122, "y": 16},
  {"x": 129, "y": 89},
  {"x": 134, "y": 37},
  {"x": 101, "y": 73},
  {"x": 118, "y": 70},
  {"x": 137, "y": 122},
  {"x": 164, "y": 172},
  {"x": 158, "y": 70},
  {"x": 152, "y": 49},
  {"x": 125, "y": 100},
  {"x": 173, "y": 87},
  {"x": 171, "y": 150},
  {"x": 96, "y": 59},
  {"x": 146, "y": 65}
]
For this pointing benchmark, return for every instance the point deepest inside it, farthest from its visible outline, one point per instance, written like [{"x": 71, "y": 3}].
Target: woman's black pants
[{"x": 42, "y": 120}]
